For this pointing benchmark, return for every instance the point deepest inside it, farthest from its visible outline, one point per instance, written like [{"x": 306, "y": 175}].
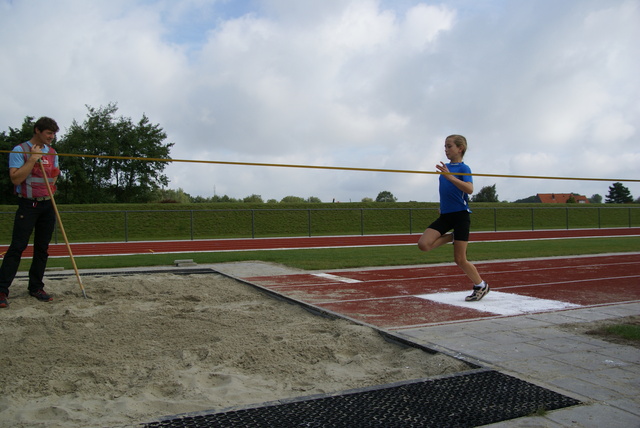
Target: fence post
[
  {"x": 309, "y": 221},
  {"x": 495, "y": 219},
  {"x": 191, "y": 225},
  {"x": 410, "y": 221},
  {"x": 567, "y": 216},
  {"x": 253, "y": 224},
  {"x": 599, "y": 221},
  {"x": 362, "y": 221},
  {"x": 126, "y": 227},
  {"x": 532, "y": 219}
]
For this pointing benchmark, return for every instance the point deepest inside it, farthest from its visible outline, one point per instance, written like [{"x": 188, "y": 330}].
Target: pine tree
[{"x": 618, "y": 194}]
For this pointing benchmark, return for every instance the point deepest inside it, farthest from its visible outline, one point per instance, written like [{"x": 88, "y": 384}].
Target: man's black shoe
[{"x": 41, "y": 295}]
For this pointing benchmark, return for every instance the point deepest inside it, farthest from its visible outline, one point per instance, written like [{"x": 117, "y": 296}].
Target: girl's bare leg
[
  {"x": 432, "y": 239},
  {"x": 460, "y": 257}
]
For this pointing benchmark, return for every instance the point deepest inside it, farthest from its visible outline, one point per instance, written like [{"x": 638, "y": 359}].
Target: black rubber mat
[{"x": 466, "y": 400}]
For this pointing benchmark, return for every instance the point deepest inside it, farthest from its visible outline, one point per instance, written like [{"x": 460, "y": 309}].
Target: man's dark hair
[{"x": 46, "y": 124}]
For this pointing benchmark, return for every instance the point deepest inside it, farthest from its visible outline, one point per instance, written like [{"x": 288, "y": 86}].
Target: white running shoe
[{"x": 478, "y": 293}]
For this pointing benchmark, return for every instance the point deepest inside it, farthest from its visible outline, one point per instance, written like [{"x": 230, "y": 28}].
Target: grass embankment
[
  {"x": 148, "y": 222},
  {"x": 144, "y": 222}
]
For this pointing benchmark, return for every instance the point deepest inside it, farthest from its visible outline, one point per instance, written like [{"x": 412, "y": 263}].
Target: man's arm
[{"x": 18, "y": 175}]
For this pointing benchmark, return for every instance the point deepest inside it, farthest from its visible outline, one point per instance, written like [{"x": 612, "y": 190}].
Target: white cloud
[
  {"x": 539, "y": 88},
  {"x": 424, "y": 23}
]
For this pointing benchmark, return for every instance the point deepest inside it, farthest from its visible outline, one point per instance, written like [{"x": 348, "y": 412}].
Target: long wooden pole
[{"x": 64, "y": 235}]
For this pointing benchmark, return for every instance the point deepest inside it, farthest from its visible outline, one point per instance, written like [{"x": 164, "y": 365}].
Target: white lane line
[
  {"x": 336, "y": 278},
  {"x": 500, "y": 303}
]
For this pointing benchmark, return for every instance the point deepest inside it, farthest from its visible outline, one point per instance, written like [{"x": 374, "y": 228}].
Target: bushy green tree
[
  {"x": 596, "y": 199},
  {"x": 254, "y": 199},
  {"x": 225, "y": 198},
  {"x": 171, "y": 196},
  {"x": 486, "y": 194},
  {"x": 199, "y": 199},
  {"x": 8, "y": 140},
  {"x": 292, "y": 199},
  {"x": 108, "y": 162},
  {"x": 386, "y": 196}
]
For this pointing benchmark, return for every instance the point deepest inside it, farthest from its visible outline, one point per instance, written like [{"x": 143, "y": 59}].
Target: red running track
[
  {"x": 401, "y": 298},
  {"x": 192, "y": 246}
]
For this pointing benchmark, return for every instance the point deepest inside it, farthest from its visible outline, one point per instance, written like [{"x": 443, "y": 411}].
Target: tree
[
  {"x": 486, "y": 194},
  {"x": 314, "y": 200},
  {"x": 386, "y": 196},
  {"x": 596, "y": 199},
  {"x": 367, "y": 199},
  {"x": 253, "y": 198},
  {"x": 292, "y": 199},
  {"x": 199, "y": 200},
  {"x": 105, "y": 166},
  {"x": 166, "y": 196},
  {"x": 527, "y": 200},
  {"x": 8, "y": 141},
  {"x": 618, "y": 194},
  {"x": 225, "y": 198}
]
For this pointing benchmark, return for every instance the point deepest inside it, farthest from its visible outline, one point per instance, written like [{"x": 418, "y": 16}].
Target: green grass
[
  {"x": 340, "y": 258},
  {"x": 624, "y": 331},
  {"x": 539, "y": 412}
]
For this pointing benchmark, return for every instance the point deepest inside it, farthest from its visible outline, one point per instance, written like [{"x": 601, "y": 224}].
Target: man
[{"x": 35, "y": 208}]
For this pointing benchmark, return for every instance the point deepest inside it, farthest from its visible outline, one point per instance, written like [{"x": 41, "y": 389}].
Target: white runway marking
[
  {"x": 336, "y": 278},
  {"x": 500, "y": 303}
]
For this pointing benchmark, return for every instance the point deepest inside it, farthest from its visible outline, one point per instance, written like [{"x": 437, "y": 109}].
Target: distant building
[{"x": 560, "y": 198}]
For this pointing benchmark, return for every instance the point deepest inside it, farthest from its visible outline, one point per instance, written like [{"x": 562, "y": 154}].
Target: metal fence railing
[{"x": 146, "y": 225}]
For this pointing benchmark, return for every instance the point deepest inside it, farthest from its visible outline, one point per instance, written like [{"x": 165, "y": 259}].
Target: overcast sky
[{"x": 538, "y": 87}]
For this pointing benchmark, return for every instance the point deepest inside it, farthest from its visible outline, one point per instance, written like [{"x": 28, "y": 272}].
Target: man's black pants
[{"x": 38, "y": 216}]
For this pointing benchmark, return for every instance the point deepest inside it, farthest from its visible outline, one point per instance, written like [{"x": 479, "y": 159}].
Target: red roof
[{"x": 561, "y": 198}]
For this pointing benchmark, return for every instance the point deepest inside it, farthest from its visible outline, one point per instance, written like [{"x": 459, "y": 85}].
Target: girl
[{"x": 454, "y": 213}]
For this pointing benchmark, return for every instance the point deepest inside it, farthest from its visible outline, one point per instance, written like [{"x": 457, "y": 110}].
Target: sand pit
[{"x": 147, "y": 346}]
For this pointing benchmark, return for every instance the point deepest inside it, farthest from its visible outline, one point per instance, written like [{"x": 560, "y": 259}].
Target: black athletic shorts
[{"x": 459, "y": 221}]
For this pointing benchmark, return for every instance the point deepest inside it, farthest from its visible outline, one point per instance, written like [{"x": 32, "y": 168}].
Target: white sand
[{"x": 147, "y": 346}]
